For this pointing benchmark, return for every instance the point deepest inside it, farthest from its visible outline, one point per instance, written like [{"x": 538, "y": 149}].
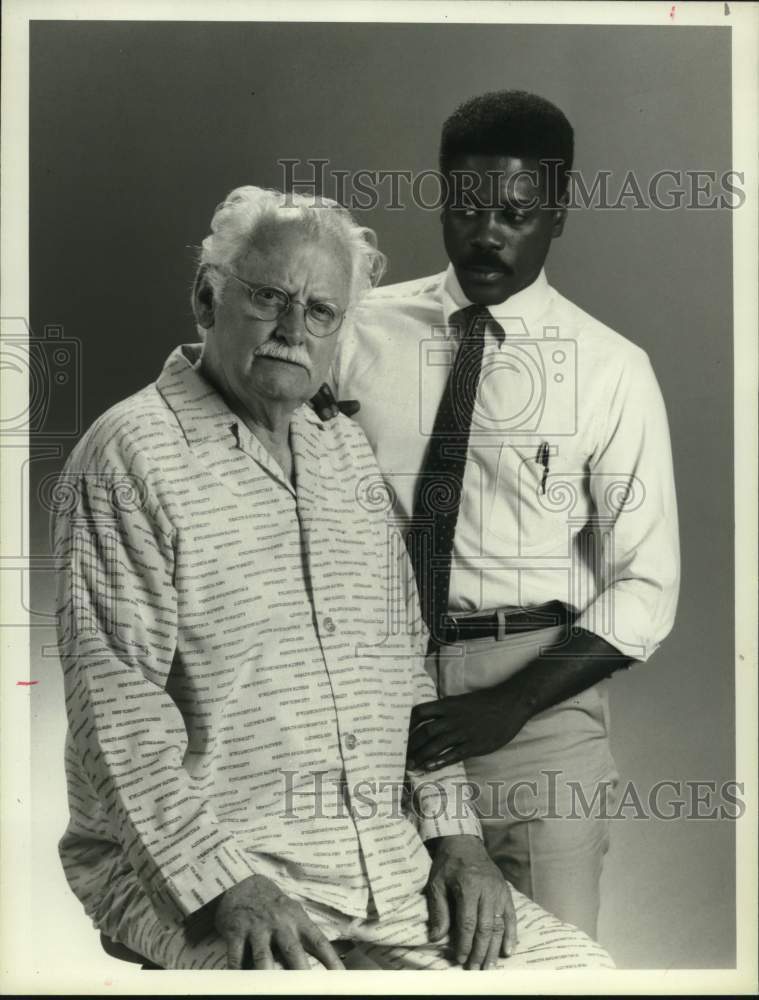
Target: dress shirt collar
[
  {"x": 527, "y": 305},
  {"x": 201, "y": 410}
]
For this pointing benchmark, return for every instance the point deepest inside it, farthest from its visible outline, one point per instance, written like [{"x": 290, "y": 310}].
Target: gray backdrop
[{"x": 138, "y": 130}]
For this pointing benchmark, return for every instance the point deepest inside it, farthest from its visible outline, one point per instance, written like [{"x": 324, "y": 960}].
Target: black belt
[{"x": 506, "y": 621}]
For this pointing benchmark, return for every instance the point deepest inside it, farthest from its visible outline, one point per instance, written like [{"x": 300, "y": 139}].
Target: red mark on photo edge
[
  {"x": 672, "y": 11},
  {"x": 26, "y": 684}
]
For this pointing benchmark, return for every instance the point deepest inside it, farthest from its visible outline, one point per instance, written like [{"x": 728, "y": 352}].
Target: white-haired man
[{"x": 237, "y": 726}]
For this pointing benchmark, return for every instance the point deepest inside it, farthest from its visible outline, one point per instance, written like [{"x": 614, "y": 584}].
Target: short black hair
[{"x": 509, "y": 123}]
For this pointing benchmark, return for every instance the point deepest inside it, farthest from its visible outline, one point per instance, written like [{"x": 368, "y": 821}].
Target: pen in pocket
[{"x": 542, "y": 459}]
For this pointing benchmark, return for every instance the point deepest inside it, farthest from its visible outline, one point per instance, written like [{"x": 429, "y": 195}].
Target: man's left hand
[
  {"x": 465, "y": 725},
  {"x": 469, "y": 899}
]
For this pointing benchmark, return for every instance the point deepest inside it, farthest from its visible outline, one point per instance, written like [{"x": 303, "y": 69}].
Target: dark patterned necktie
[{"x": 438, "y": 492}]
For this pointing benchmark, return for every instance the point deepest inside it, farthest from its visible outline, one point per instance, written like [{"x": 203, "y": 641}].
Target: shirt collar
[
  {"x": 201, "y": 410},
  {"x": 527, "y": 305}
]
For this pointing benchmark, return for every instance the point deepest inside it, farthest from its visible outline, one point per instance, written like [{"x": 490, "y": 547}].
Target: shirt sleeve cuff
[
  {"x": 443, "y": 810},
  {"x": 636, "y": 646}
]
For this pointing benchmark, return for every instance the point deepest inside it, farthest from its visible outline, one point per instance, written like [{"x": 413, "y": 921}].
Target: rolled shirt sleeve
[
  {"x": 117, "y": 638},
  {"x": 635, "y": 521}
]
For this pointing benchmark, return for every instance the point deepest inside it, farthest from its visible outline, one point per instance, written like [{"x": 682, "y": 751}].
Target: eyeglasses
[{"x": 269, "y": 302}]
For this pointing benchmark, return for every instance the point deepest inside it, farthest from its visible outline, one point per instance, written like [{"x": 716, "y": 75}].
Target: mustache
[
  {"x": 297, "y": 355},
  {"x": 489, "y": 263}
]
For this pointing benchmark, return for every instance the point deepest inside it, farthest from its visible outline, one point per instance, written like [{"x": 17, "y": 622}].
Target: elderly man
[{"x": 238, "y": 717}]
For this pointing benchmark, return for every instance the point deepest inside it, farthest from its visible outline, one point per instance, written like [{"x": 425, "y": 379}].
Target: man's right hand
[{"x": 257, "y": 913}]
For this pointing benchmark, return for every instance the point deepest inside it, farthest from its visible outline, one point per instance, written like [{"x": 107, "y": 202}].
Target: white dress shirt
[
  {"x": 235, "y": 705},
  {"x": 568, "y": 491}
]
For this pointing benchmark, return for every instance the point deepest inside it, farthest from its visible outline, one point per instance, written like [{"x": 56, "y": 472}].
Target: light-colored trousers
[
  {"x": 399, "y": 942},
  {"x": 542, "y": 797}
]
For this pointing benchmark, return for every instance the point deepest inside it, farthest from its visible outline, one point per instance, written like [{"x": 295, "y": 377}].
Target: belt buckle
[{"x": 451, "y": 629}]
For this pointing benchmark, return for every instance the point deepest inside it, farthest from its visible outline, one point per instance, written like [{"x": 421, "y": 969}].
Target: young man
[{"x": 527, "y": 449}]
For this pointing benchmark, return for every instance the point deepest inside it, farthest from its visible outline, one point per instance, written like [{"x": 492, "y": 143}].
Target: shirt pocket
[{"x": 528, "y": 508}]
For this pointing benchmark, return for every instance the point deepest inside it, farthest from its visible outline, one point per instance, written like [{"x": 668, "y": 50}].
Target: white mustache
[{"x": 283, "y": 352}]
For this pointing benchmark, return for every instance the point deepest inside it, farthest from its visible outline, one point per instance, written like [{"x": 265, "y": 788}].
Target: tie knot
[{"x": 474, "y": 320}]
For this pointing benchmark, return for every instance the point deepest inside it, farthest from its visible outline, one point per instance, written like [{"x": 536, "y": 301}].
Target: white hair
[{"x": 246, "y": 209}]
